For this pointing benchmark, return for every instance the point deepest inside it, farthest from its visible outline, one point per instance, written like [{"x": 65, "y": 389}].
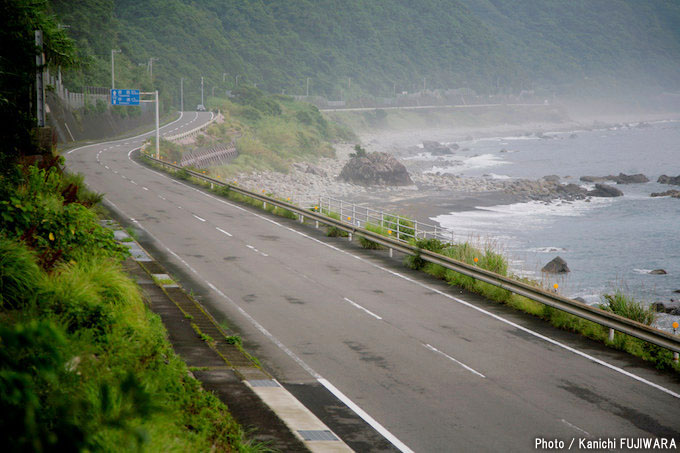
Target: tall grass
[
  {"x": 19, "y": 273},
  {"x": 628, "y": 307}
]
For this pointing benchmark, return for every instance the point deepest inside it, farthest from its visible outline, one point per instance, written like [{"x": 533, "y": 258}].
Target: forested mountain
[{"x": 349, "y": 48}]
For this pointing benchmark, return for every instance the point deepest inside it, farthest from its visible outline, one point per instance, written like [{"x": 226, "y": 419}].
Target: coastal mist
[{"x": 608, "y": 243}]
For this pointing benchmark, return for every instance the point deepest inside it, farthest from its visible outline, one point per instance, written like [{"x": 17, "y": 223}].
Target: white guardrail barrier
[
  {"x": 348, "y": 222},
  {"x": 194, "y": 130}
]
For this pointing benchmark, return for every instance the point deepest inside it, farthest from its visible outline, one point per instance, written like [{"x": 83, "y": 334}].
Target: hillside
[{"x": 351, "y": 48}]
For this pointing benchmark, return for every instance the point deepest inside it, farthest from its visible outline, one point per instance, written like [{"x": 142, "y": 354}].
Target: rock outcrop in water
[
  {"x": 674, "y": 180},
  {"x": 668, "y": 193},
  {"x": 622, "y": 178},
  {"x": 603, "y": 190},
  {"x": 672, "y": 307},
  {"x": 375, "y": 169},
  {"x": 658, "y": 272},
  {"x": 556, "y": 266}
]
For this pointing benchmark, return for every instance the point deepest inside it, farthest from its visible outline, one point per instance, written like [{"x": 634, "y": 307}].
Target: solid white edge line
[
  {"x": 576, "y": 427},
  {"x": 460, "y": 301},
  {"x": 362, "y": 308},
  {"x": 199, "y": 218},
  {"x": 472, "y": 370},
  {"x": 222, "y": 231},
  {"x": 364, "y": 416}
]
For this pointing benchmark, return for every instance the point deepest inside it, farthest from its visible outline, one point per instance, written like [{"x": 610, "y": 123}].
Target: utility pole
[
  {"x": 213, "y": 91},
  {"x": 113, "y": 79},
  {"x": 181, "y": 94},
  {"x": 349, "y": 83},
  {"x": 237, "y": 79},
  {"x": 307, "y": 86},
  {"x": 424, "y": 84},
  {"x": 394, "y": 89},
  {"x": 151, "y": 60},
  {"x": 39, "y": 80},
  {"x": 224, "y": 75},
  {"x": 202, "y": 91}
]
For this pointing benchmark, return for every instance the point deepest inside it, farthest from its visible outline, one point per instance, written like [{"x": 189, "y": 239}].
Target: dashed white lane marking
[
  {"x": 161, "y": 197},
  {"x": 179, "y": 207},
  {"x": 123, "y": 176},
  {"x": 442, "y": 293},
  {"x": 330, "y": 387},
  {"x": 222, "y": 231},
  {"x": 107, "y": 167},
  {"x": 364, "y": 309},
  {"x": 199, "y": 218},
  {"x": 576, "y": 428},
  {"x": 144, "y": 188},
  {"x": 134, "y": 182},
  {"x": 472, "y": 370},
  {"x": 256, "y": 250}
]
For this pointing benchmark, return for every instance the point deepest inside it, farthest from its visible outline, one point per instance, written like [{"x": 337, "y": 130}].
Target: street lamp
[{"x": 113, "y": 79}]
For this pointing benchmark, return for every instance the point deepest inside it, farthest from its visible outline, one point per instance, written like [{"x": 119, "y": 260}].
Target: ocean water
[{"x": 608, "y": 243}]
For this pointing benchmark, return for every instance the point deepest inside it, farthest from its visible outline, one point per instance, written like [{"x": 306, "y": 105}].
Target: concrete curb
[{"x": 220, "y": 363}]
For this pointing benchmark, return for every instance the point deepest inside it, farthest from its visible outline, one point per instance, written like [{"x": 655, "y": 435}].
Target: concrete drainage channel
[{"x": 254, "y": 397}]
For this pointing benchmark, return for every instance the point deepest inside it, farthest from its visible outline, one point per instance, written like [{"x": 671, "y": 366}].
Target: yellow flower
[{"x": 51, "y": 236}]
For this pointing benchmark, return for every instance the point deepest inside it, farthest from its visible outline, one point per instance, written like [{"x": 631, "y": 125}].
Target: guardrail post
[
  {"x": 350, "y": 237},
  {"x": 316, "y": 224},
  {"x": 391, "y": 252},
  {"x": 611, "y": 335},
  {"x": 302, "y": 218},
  {"x": 676, "y": 357},
  {"x": 264, "y": 205},
  {"x": 354, "y": 213}
]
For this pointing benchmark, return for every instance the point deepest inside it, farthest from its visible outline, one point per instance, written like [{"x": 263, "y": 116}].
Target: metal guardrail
[{"x": 612, "y": 321}]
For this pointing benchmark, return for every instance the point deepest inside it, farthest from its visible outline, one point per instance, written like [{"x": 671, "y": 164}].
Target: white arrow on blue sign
[{"x": 124, "y": 97}]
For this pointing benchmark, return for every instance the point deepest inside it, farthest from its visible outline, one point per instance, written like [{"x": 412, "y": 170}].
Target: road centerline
[
  {"x": 472, "y": 370},
  {"x": 364, "y": 309}
]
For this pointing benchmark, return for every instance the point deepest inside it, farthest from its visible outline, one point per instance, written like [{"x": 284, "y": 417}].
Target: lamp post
[
  {"x": 224, "y": 75},
  {"x": 237, "y": 79},
  {"x": 202, "y": 91},
  {"x": 113, "y": 78},
  {"x": 181, "y": 94},
  {"x": 307, "y": 86}
]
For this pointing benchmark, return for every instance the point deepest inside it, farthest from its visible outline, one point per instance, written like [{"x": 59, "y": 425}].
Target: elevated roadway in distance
[{"x": 431, "y": 368}]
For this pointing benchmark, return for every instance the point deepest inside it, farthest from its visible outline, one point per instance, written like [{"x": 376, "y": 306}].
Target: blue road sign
[{"x": 124, "y": 97}]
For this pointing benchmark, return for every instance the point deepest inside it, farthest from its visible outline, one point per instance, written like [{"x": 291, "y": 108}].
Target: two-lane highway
[{"x": 426, "y": 368}]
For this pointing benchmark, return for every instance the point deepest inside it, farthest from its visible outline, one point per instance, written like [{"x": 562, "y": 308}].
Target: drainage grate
[
  {"x": 317, "y": 435},
  {"x": 264, "y": 383}
]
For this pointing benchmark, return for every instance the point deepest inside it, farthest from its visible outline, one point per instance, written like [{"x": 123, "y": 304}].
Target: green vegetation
[
  {"x": 627, "y": 307},
  {"x": 84, "y": 365},
  {"x": 493, "y": 261},
  {"x": 490, "y": 46}
]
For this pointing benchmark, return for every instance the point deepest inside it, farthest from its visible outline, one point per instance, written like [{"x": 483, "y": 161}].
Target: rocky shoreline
[{"x": 307, "y": 181}]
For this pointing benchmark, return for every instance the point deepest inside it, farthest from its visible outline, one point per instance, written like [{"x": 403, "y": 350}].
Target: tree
[{"x": 18, "y": 67}]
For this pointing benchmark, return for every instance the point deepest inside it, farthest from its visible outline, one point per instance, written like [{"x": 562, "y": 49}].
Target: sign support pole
[{"x": 158, "y": 133}]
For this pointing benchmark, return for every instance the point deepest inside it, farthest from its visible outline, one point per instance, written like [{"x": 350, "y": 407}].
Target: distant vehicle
[{"x": 200, "y": 108}]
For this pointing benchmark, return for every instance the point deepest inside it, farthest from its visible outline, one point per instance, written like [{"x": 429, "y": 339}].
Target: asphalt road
[{"x": 431, "y": 368}]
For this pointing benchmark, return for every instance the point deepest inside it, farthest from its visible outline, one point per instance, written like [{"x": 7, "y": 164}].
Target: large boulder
[
  {"x": 630, "y": 179},
  {"x": 556, "y": 266},
  {"x": 379, "y": 169},
  {"x": 603, "y": 190},
  {"x": 436, "y": 148},
  {"x": 663, "y": 179}
]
